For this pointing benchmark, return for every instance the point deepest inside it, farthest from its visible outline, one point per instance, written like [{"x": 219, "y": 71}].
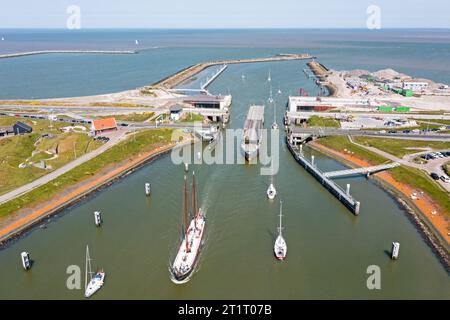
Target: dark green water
[{"x": 329, "y": 248}]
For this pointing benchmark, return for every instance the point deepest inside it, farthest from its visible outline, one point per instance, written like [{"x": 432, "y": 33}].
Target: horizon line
[{"x": 226, "y": 28}]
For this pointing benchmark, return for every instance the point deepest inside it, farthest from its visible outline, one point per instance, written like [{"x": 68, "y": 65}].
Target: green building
[
  {"x": 402, "y": 109},
  {"x": 407, "y": 93},
  {"x": 385, "y": 109}
]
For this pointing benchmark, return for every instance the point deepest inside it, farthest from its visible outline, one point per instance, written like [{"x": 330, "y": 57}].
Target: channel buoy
[
  {"x": 395, "y": 250},
  {"x": 147, "y": 189},
  {"x": 98, "y": 218},
  {"x": 26, "y": 261}
]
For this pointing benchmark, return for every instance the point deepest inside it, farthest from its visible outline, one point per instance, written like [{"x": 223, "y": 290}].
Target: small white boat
[
  {"x": 280, "y": 246},
  {"x": 279, "y": 91},
  {"x": 137, "y": 42},
  {"x": 271, "y": 192},
  {"x": 26, "y": 262},
  {"x": 96, "y": 281},
  {"x": 186, "y": 167},
  {"x": 3, "y": 39},
  {"x": 269, "y": 79},
  {"x": 243, "y": 76}
]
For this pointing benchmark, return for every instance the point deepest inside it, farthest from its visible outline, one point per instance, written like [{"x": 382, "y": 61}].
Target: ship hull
[
  {"x": 280, "y": 248},
  {"x": 185, "y": 262},
  {"x": 250, "y": 154}
]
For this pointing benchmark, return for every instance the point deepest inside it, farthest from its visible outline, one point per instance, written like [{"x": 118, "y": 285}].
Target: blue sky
[{"x": 225, "y": 13}]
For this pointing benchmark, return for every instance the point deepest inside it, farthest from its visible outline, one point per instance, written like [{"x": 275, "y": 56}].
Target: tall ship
[
  {"x": 191, "y": 244},
  {"x": 252, "y": 136}
]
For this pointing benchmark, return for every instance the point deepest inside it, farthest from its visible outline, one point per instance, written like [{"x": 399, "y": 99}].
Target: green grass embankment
[{"x": 143, "y": 141}]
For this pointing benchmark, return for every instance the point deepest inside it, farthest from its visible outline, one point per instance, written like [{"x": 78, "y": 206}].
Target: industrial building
[
  {"x": 415, "y": 86},
  {"x": 302, "y": 104},
  {"x": 208, "y": 101}
]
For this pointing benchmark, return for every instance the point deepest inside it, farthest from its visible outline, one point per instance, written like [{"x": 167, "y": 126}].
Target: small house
[
  {"x": 175, "y": 112},
  {"x": 22, "y": 128},
  {"x": 103, "y": 125}
]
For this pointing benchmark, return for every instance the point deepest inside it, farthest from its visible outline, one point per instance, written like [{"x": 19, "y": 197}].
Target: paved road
[
  {"x": 370, "y": 114},
  {"x": 115, "y": 138},
  {"x": 343, "y": 132}
]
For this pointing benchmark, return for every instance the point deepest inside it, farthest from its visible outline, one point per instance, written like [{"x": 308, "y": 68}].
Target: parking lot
[{"x": 435, "y": 161}]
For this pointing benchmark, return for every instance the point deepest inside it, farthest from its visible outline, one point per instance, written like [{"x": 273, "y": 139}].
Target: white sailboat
[
  {"x": 96, "y": 281},
  {"x": 136, "y": 42},
  {"x": 280, "y": 246},
  {"x": 269, "y": 79},
  {"x": 279, "y": 91},
  {"x": 271, "y": 191}
]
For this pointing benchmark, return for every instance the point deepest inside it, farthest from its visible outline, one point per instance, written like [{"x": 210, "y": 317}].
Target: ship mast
[
  {"x": 194, "y": 200},
  {"x": 186, "y": 226},
  {"x": 281, "y": 210}
]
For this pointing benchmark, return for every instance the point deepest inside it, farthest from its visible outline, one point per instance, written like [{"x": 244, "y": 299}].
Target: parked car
[
  {"x": 435, "y": 176},
  {"x": 406, "y": 131},
  {"x": 445, "y": 179}
]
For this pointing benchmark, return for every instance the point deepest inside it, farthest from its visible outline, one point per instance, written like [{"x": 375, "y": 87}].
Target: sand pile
[{"x": 389, "y": 74}]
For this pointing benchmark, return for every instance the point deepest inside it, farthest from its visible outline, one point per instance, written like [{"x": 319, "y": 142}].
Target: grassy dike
[
  {"x": 133, "y": 146},
  {"x": 400, "y": 147},
  {"x": 316, "y": 121},
  {"x": 410, "y": 176}
]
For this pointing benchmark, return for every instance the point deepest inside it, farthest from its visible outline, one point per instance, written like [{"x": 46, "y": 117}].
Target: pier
[
  {"x": 32, "y": 53},
  {"x": 181, "y": 76},
  {"x": 214, "y": 77},
  {"x": 364, "y": 170},
  {"x": 341, "y": 194}
]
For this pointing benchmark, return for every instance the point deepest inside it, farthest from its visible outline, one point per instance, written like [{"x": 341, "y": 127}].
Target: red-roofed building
[{"x": 103, "y": 125}]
